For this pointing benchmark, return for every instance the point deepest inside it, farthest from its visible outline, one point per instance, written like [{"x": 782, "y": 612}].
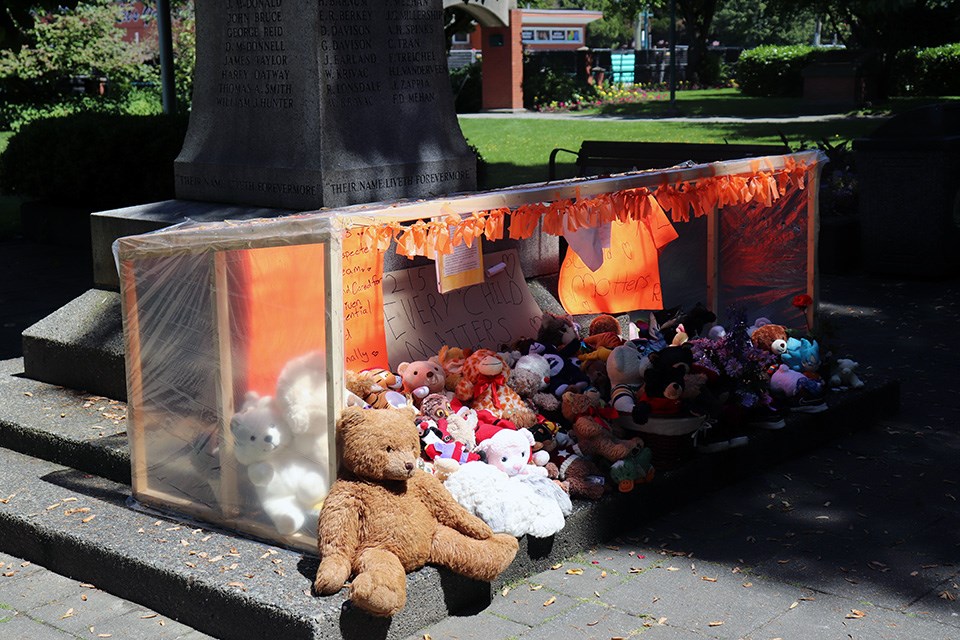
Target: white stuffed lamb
[
  {"x": 506, "y": 492},
  {"x": 289, "y": 480}
]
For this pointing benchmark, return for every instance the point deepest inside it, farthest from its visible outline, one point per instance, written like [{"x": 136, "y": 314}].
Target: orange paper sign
[
  {"x": 629, "y": 278},
  {"x": 364, "y": 344}
]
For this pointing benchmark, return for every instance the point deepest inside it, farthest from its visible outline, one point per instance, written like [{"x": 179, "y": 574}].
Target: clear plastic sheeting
[
  {"x": 228, "y": 368},
  {"x": 765, "y": 259},
  {"x": 238, "y": 333}
]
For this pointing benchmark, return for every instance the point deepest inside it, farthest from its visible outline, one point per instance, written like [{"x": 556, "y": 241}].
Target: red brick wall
[{"x": 503, "y": 66}]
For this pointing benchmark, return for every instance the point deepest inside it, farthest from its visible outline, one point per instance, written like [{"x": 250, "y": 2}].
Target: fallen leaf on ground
[
  {"x": 946, "y": 595},
  {"x": 855, "y": 613},
  {"x": 706, "y": 579},
  {"x": 795, "y": 605},
  {"x": 505, "y": 591},
  {"x": 747, "y": 584},
  {"x": 603, "y": 574},
  {"x": 550, "y": 601},
  {"x": 147, "y": 616},
  {"x": 557, "y": 566},
  {"x": 672, "y": 569},
  {"x": 68, "y": 614},
  {"x": 574, "y": 572},
  {"x": 595, "y": 622},
  {"x": 536, "y": 587},
  {"x": 715, "y": 623}
]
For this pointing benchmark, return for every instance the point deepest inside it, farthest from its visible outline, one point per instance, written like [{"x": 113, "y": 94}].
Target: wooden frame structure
[{"x": 212, "y": 241}]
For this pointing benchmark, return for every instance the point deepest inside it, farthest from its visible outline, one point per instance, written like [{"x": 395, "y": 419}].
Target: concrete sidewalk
[{"x": 856, "y": 540}]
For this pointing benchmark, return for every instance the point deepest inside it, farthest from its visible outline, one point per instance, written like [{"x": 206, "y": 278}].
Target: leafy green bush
[
  {"x": 94, "y": 159},
  {"x": 467, "y": 86},
  {"x": 927, "y": 72},
  {"x": 545, "y": 86},
  {"x": 773, "y": 70},
  {"x": 140, "y": 101},
  {"x": 84, "y": 42}
]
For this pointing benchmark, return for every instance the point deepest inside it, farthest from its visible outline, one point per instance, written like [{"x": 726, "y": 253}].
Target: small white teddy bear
[
  {"x": 288, "y": 476},
  {"x": 844, "y": 374}
]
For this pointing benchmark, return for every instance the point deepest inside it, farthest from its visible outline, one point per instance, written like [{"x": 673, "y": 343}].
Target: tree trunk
[{"x": 697, "y": 19}]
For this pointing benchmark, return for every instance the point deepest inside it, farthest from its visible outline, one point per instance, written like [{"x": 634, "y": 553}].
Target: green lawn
[
  {"x": 517, "y": 149},
  {"x": 731, "y": 103}
]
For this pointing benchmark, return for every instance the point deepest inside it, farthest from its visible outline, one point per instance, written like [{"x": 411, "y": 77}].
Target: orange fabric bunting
[{"x": 696, "y": 198}]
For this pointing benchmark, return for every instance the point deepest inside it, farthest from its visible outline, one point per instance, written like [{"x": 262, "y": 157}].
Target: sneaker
[
  {"x": 714, "y": 438},
  {"x": 809, "y": 405},
  {"x": 766, "y": 417}
]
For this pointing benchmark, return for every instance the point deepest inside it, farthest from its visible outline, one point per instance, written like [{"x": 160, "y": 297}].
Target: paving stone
[
  {"x": 525, "y": 606},
  {"x": 890, "y": 576},
  {"x": 78, "y": 616},
  {"x": 588, "y": 622},
  {"x": 696, "y": 594},
  {"x": 825, "y": 618},
  {"x": 20, "y": 627},
  {"x": 593, "y": 579},
  {"x": 937, "y": 605},
  {"x": 482, "y": 626},
  {"x": 16, "y": 567},
  {"x": 35, "y": 587},
  {"x": 195, "y": 635},
  {"x": 142, "y": 624}
]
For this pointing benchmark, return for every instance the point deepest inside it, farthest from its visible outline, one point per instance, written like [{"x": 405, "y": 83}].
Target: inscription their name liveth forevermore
[{"x": 302, "y": 105}]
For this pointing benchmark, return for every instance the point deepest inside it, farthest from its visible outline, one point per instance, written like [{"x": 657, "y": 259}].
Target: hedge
[
  {"x": 773, "y": 70},
  {"x": 94, "y": 159},
  {"x": 934, "y": 71}
]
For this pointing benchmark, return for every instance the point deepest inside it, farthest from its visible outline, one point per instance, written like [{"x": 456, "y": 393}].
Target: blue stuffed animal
[{"x": 802, "y": 355}]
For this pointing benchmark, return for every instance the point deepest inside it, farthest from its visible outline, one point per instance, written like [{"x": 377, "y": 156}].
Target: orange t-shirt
[{"x": 628, "y": 279}]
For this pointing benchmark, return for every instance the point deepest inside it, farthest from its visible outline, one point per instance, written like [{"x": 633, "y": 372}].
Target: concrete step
[
  {"x": 75, "y": 429},
  {"x": 55, "y": 462},
  {"x": 80, "y": 345}
]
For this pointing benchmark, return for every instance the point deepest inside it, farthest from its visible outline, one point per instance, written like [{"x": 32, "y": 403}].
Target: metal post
[
  {"x": 164, "y": 33},
  {"x": 673, "y": 55}
]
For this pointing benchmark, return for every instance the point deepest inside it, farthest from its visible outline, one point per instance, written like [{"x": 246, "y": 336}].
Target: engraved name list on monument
[
  {"x": 326, "y": 103},
  {"x": 384, "y": 74},
  {"x": 255, "y": 73}
]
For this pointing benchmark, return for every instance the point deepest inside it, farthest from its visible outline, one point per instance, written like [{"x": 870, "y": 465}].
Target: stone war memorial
[
  {"x": 333, "y": 253},
  {"x": 303, "y": 105}
]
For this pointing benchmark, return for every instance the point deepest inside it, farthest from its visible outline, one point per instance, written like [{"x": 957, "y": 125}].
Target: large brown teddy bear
[
  {"x": 385, "y": 517},
  {"x": 592, "y": 429}
]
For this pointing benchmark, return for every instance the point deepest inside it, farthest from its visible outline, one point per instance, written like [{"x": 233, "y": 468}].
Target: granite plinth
[
  {"x": 305, "y": 105},
  {"x": 107, "y": 226}
]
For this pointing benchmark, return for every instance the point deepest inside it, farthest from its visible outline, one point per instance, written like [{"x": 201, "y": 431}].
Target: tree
[
  {"x": 888, "y": 26},
  {"x": 83, "y": 41},
  {"x": 17, "y": 16},
  {"x": 751, "y": 23}
]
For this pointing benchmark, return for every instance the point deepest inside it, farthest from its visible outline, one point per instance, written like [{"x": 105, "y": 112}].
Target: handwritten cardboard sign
[
  {"x": 418, "y": 320},
  {"x": 364, "y": 346}
]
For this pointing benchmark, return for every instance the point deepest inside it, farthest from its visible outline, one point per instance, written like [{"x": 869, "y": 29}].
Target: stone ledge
[
  {"x": 154, "y": 570},
  {"x": 80, "y": 345}
]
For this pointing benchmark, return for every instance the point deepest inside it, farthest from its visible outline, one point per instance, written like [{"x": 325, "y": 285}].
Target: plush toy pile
[{"x": 449, "y": 459}]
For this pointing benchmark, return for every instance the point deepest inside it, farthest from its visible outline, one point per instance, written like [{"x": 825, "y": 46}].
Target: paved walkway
[
  {"x": 858, "y": 540},
  {"x": 576, "y": 115}
]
